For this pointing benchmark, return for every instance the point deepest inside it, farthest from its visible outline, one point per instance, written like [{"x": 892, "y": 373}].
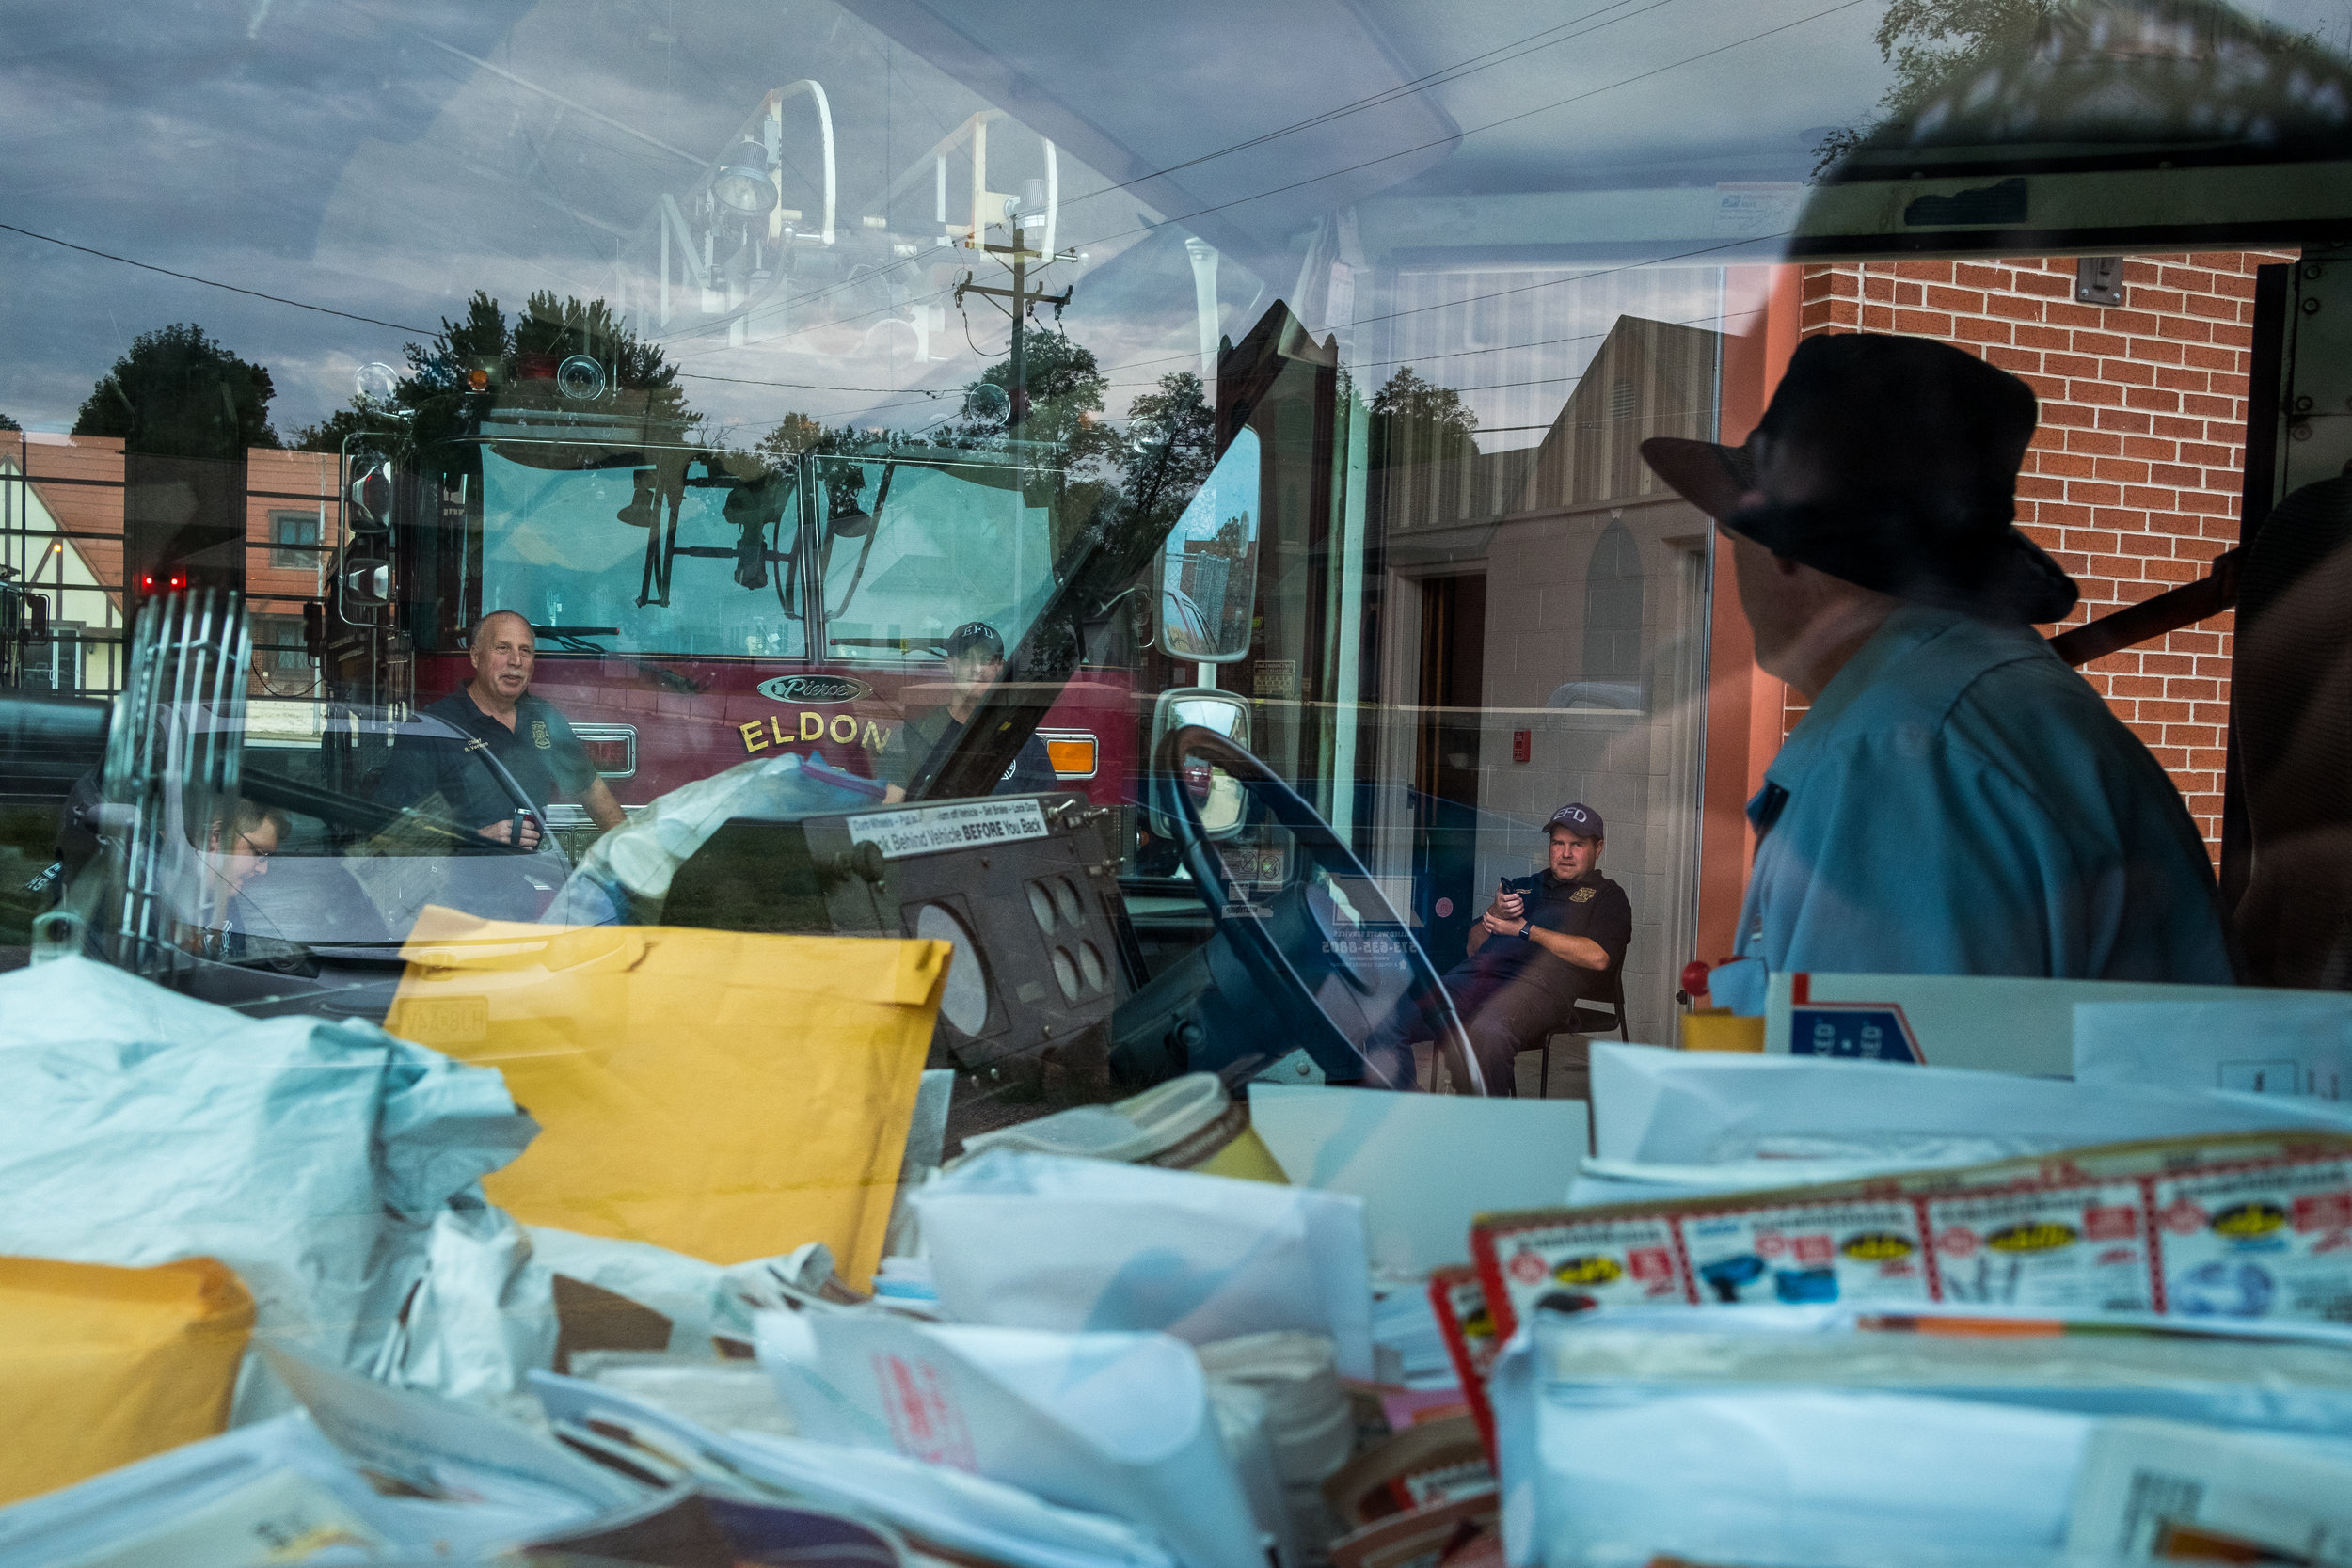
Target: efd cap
[
  {"x": 1579, "y": 818},
  {"x": 975, "y": 634}
]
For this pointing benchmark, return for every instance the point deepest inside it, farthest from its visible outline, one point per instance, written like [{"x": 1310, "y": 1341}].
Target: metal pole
[{"x": 1018, "y": 374}]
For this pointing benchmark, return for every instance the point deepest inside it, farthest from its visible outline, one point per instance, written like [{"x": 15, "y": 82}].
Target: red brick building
[{"x": 2133, "y": 481}]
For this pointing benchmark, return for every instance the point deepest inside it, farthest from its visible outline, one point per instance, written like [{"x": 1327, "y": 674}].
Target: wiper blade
[{"x": 575, "y": 638}]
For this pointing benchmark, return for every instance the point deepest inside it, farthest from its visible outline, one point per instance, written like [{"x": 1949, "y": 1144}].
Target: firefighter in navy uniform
[
  {"x": 976, "y": 661},
  {"x": 496, "y": 711},
  {"x": 1546, "y": 942}
]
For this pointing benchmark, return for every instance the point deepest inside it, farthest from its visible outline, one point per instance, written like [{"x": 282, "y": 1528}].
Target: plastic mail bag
[
  {"x": 1116, "y": 1423},
  {"x": 945, "y": 1512},
  {"x": 722, "y": 1094},
  {"x": 1040, "y": 1241},
  {"x": 108, "y": 1365},
  {"x": 625, "y": 876},
  {"x": 313, "y": 1157}
]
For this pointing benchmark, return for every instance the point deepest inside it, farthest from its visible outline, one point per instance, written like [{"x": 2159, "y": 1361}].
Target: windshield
[
  {"x": 557, "y": 544},
  {"x": 916, "y": 550},
  {"x": 786, "y": 589}
]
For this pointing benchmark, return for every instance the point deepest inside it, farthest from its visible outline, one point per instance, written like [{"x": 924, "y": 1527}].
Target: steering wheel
[{"x": 1326, "y": 959}]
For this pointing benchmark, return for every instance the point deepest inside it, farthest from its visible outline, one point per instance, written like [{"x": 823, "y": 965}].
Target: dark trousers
[{"x": 1502, "y": 1015}]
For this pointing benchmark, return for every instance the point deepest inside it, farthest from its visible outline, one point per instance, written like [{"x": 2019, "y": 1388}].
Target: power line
[
  {"x": 1490, "y": 125},
  {"x": 1507, "y": 119},
  {"x": 214, "y": 283},
  {"x": 802, "y": 386},
  {"x": 1441, "y": 77}
]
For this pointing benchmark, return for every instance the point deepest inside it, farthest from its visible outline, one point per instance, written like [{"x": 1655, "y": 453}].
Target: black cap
[
  {"x": 1579, "y": 818},
  {"x": 975, "y": 634}
]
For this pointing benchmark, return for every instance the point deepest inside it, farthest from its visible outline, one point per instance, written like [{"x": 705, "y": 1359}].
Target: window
[
  {"x": 293, "y": 540},
  {"x": 1612, "y": 608},
  {"x": 277, "y": 644}
]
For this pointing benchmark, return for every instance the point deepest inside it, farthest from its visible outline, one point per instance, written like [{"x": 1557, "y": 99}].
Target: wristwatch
[{"x": 1525, "y": 926}]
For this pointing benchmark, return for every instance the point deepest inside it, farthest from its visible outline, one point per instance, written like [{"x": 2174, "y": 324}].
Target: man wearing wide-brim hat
[{"x": 1957, "y": 801}]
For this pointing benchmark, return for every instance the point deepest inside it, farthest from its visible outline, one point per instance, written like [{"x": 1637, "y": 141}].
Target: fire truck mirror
[
  {"x": 1209, "y": 567},
  {"x": 367, "y": 583}
]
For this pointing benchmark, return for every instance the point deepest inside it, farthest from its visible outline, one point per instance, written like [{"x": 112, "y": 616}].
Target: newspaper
[
  {"x": 2252, "y": 1225},
  {"x": 2169, "y": 1492}
]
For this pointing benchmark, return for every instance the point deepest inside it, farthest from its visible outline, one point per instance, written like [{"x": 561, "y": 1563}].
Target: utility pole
[{"x": 1022, "y": 298}]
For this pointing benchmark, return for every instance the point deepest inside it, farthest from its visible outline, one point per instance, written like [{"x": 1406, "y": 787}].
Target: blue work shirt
[{"x": 1959, "y": 801}]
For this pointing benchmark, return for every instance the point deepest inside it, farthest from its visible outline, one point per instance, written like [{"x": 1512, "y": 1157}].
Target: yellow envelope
[
  {"x": 101, "y": 1366},
  {"x": 722, "y": 1094}
]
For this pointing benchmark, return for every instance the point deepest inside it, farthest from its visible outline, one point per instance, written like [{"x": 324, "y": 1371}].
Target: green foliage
[
  {"x": 7, "y": 423},
  {"x": 795, "y": 434},
  {"x": 475, "y": 368},
  {"x": 178, "y": 393},
  {"x": 327, "y": 435},
  {"x": 1414, "y": 420},
  {"x": 1934, "y": 45}
]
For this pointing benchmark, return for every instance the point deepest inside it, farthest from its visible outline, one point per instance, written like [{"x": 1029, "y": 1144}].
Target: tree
[
  {"x": 178, "y": 393},
  {"x": 2083, "y": 70},
  {"x": 1416, "y": 422},
  {"x": 479, "y": 364},
  {"x": 795, "y": 434},
  {"x": 1931, "y": 45},
  {"x": 327, "y": 435},
  {"x": 7, "y": 423}
]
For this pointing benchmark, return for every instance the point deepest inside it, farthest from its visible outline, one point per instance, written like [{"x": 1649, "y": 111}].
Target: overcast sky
[{"x": 387, "y": 160}]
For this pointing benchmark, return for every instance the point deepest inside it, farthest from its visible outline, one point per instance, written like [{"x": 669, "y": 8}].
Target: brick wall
[{"x": 2133, "y": 480}]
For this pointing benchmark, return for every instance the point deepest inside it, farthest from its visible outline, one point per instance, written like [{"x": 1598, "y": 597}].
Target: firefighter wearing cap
[
  {"x": 976, "y": 661},
  {"x": 1546, "y": 942}
]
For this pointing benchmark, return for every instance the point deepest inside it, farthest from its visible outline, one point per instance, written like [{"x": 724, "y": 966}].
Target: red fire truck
[{"x": 697, "y": 606}]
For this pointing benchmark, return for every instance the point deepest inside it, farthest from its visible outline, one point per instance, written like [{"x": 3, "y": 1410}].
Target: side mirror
[
  {"x": 1209, "y": 566},
  {"x": 1219, "y": 796},
  {"x": 363, "y": 589}
]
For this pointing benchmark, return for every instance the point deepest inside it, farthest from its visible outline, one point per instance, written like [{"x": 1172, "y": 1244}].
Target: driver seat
[{"x": 1591, "y": 1017}]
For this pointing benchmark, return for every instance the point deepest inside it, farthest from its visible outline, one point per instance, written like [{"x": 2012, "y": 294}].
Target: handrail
[{"x": 2149, "y": 619}]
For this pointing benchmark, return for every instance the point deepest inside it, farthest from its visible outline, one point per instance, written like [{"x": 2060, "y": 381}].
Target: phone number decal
[{"x": 927, "y": 830}]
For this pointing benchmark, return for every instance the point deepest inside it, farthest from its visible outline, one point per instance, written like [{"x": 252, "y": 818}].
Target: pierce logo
[{"x": 821, "y": 691}]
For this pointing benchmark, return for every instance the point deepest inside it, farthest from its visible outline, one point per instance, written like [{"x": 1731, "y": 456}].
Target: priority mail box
[{"x": 1997, "y": 1024}]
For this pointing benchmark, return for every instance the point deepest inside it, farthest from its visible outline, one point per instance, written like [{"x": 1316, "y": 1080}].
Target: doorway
[{"x": 1446, "y": 768}]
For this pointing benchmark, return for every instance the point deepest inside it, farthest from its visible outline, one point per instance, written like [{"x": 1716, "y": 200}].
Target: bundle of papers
[{"x": 1791, "y": 1435}]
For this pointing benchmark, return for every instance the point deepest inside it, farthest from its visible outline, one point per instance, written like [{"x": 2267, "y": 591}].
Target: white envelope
[
  {"x": 1116, "y": 1423},
  {"x": 1044, "y": 1241},
  {"x": 1820, "y": 1476},
  {"x": 1424, "y": 1163},
  {"x": 1674, "y": 1108},
  {"x": 2293, "y": 1043}
]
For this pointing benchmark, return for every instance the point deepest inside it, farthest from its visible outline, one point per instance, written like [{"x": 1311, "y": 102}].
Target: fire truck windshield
[
  {"x": 910, "y": 546},
  {"x": 946, "y": 547}
]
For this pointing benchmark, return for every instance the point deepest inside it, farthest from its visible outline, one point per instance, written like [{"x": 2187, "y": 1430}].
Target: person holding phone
[{"x": 1543, "y": 945}]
